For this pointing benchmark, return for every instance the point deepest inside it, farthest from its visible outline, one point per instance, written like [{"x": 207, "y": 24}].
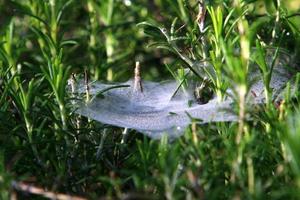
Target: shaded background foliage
[{"x": 43, "y": 43}]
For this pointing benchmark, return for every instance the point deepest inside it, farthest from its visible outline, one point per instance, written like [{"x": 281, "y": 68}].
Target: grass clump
[{"x": 43, "y": 44}]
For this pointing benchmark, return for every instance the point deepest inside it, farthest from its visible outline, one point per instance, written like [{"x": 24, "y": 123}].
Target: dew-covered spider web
[{"x": 155, "y": 111}]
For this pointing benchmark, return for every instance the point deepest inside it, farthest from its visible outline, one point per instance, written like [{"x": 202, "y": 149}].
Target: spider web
[{"x": 155, "y": 112}]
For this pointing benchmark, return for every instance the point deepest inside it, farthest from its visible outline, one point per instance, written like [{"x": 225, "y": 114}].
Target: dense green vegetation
[{"x": 44, "y": 43}]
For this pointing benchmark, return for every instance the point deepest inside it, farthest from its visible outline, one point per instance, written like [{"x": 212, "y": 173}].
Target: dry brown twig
[
  {"x": 138, "y": 87},
  {"x": 30, "y": 189}
]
